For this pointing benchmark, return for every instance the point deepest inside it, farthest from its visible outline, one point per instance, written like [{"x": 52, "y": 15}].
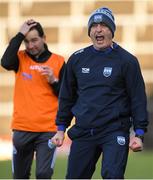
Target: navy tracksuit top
[{"x": 102, "y": 86}]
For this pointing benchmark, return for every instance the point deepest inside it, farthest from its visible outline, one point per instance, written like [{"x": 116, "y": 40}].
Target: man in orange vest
[{"x": 38, "y": 74}]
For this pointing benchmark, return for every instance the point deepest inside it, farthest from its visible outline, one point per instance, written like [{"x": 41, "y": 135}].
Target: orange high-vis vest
[{"x": 35, "y": 104}]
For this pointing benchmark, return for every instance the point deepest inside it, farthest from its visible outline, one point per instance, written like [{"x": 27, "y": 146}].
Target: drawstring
[{"x": 91, "y": 132}]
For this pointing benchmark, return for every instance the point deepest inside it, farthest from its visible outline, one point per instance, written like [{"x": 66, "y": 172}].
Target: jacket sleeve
[
  {"x": 56, "y": 86},
  {"x": 10, "y": 58},
  {"x": 136, "y": 92},
  {"x": 67, "y": 96}
]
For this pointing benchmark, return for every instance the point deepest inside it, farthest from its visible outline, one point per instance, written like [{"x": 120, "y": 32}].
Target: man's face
[
  {"x": 101, "y": 36},
  {"x": 34, "y": 43}
]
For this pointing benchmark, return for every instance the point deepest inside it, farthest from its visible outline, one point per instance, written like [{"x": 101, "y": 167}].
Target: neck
[
  {"x": 110, "y": 45},
  {"x": 37, "y": 56}
]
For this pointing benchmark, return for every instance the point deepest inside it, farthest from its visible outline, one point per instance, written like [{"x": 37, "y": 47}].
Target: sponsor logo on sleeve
[{"x": 79, "y": 51}]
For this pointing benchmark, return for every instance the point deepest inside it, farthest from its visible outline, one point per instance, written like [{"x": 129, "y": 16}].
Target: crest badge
[
  {"x": 98, "y": 18},
  {"x": 121, "y": 140},
  {"x": 107, "y": 71}
]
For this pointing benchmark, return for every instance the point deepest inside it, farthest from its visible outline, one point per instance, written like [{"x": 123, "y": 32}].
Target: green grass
[{"x": 140, "y": 166}]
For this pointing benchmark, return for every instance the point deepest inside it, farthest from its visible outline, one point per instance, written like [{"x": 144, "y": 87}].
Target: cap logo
[
  {"x": 98, "y": 18},
  {"x": 107, "y": 13}
]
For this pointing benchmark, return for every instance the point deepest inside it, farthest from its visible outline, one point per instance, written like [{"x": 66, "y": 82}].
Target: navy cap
[{"x": 102, "y": 15}]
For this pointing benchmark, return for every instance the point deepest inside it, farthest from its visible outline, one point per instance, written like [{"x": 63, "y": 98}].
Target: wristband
[
  {"x": 140, "y": 136},
  {"x": 61, "y": 128}
]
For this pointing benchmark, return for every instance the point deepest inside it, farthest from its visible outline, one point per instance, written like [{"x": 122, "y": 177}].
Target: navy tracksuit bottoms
[{"x": 86, "y": 150}]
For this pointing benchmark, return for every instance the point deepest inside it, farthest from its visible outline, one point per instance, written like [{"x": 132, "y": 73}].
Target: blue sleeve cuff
[
  {"x": 139, "y": 132},
  {"x": 61, "y": 128}
]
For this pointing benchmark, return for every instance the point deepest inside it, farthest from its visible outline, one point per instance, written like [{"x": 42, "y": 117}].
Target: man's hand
[
  {"x": 48, "y": 72},
  {"x": 26, "y": 26},
  {"x": 58, "y": 138},
  {"x": 136, "y": 144}
]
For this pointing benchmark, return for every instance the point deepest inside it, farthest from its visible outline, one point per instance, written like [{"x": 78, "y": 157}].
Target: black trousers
[
  {"x": 25, "y": 144},
  {"x": 86, "y": 150}
]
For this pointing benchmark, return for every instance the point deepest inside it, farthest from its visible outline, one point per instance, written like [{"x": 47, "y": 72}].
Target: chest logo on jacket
[{"x": 107, "y": 71}]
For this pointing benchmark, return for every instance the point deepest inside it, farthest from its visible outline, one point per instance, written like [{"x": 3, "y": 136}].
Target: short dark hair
[{"x": 39, "y": 28}]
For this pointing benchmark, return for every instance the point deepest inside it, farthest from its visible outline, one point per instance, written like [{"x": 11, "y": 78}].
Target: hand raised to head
[{"x": 26, "y": 26}]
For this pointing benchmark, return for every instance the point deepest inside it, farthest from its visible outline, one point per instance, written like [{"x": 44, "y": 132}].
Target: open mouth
[{"x": 99, "y": 38}]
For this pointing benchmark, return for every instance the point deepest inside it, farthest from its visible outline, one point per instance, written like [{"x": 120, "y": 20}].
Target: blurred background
[{"x": 65, "y": 25}]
